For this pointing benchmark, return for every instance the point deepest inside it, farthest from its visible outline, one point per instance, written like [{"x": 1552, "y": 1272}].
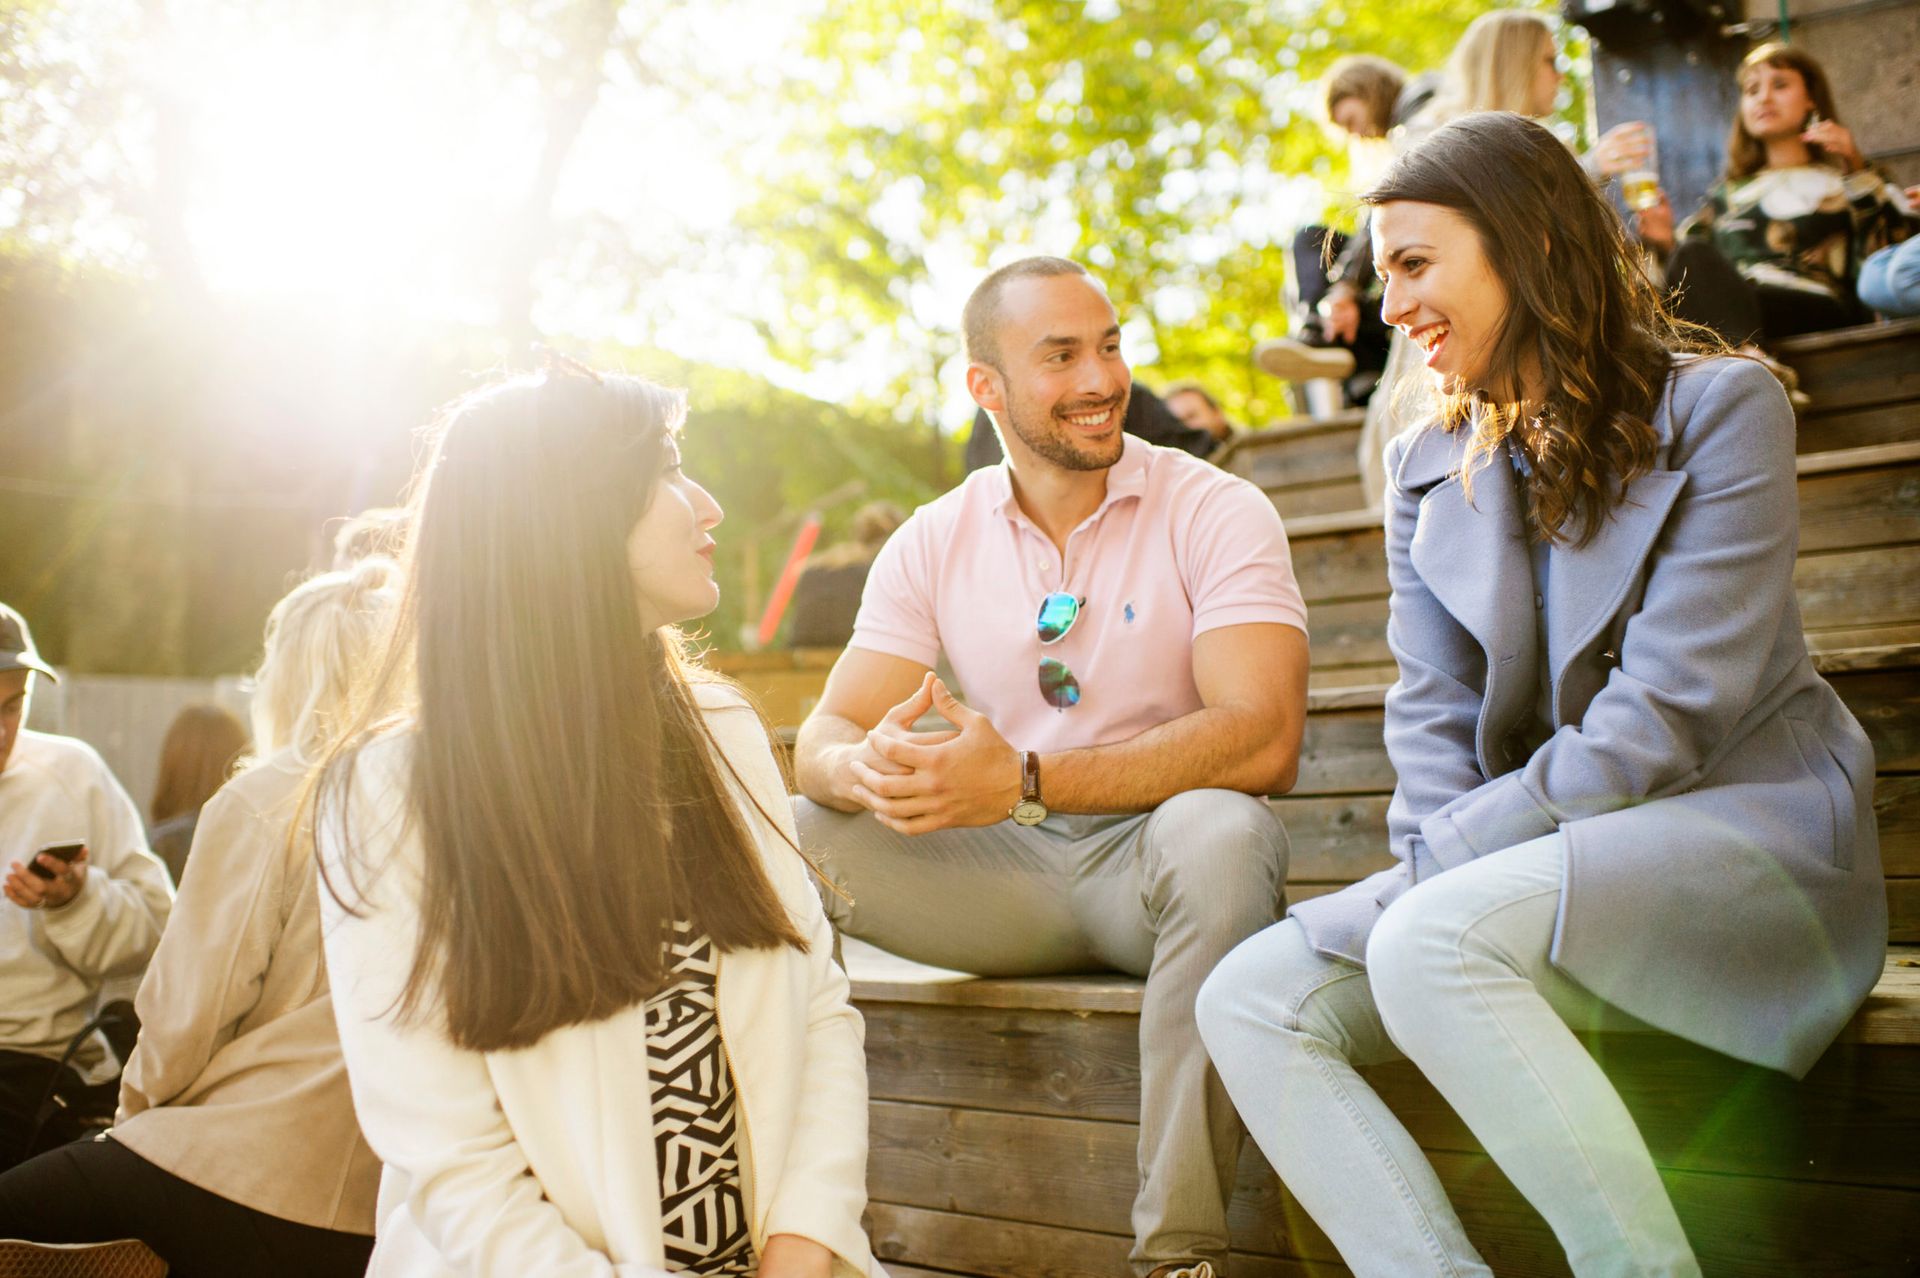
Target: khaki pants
[{"x": 1164, "y": 895}]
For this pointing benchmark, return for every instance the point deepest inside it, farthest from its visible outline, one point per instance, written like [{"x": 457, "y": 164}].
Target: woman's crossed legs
[{"x": 1459, "y": 981}]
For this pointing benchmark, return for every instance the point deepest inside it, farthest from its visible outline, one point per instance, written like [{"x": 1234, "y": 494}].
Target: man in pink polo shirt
[{"x": 1125, "y": 625}]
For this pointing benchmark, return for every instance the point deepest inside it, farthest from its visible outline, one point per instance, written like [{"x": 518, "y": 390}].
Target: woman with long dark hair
[
  {"x": 582, "y": 978},
  {"x": 1625, "y": 798}
]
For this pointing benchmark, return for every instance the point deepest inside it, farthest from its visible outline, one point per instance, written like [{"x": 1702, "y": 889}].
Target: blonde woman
[
  {"x": 582, "y": 978},
  {"x": 235, "y": 1149}
]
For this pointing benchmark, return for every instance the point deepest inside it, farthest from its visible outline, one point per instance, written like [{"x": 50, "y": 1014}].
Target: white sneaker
[
  {"x": 1198, "y": 1269},
  {"x": 1292, "y": 361}
]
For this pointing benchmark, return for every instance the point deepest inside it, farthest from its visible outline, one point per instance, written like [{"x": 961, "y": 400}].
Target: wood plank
[
  {"x": 1893, "y": 647},
  {"x": 1854, "y": 367},
  {"x": 1070, "y": 1171},
  {"x": 1853, "y": 337},
  {"x": 1302, "y": 457},
  {"x": 1887, "y": 704},
  {"x": 1342, "y": 837},
  {"x": 1015, "y": 1061},
  {"x": 1889, "y": 455},
  {"x": 1080, "y": 1175},
  {"x": 1352, "y": 632},
  {"x": 1822, "y": 430},
  {"x": 1841, "y": 589},
  {"x": 1903, "y": 911},
  {"x": 1345, "y": 836},
  {"x": 1097, "y": 992},
  {"x": 987, "y": 1248},
  {"x": 1896, "y": 805},
  {"x": 1341, "y": 753},
  {"x": 1340, "y": 563},
  {"x": 1086, "y": 1065},
  {"x": 1330, "y": 678},
  {"x": 1298, "y": 501},
  {"x": 1853, "y": 508}
]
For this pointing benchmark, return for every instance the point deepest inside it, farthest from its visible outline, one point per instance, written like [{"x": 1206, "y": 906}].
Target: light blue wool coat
[{"x": 1723, "y": 866}]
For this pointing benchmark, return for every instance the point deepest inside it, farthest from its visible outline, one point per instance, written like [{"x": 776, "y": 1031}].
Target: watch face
[{"x": 1029, "y": 812}]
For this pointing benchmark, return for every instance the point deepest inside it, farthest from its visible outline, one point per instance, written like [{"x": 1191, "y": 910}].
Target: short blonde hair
[
  {"x": 318, "y": 637},
  {"x": 1492, "y": 68}
]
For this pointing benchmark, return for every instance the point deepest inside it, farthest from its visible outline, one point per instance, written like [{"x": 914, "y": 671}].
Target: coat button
[{"x": 1539, "y": 601}]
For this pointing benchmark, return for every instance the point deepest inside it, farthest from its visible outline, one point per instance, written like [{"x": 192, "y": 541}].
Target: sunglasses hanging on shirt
[{"x": 1058, "y": 611}]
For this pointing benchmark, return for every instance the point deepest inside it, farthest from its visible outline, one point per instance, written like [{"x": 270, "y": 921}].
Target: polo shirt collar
[{"x": 1125, "y": 478}]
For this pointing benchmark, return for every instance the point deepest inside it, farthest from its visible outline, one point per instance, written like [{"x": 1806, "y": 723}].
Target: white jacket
[{"x": 541, "y": 1161}]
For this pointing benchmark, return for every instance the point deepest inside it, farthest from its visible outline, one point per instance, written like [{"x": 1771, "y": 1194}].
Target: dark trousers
[
  {"x": 1313, "y": 248},
  {"x": 1707, "y": 289},
  {"x": 26, "y": 1081},
  {"x": 98, "y": 1190}
]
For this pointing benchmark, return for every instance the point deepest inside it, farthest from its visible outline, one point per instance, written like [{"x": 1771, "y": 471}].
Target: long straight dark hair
[
  {"x": 563, "y": 783},
  {"x": 1579, "y": 304}
]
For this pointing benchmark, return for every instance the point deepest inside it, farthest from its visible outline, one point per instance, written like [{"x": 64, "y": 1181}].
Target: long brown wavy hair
[
  {"x": 563, "y": 783},
  {"x": 1746, "y": 154},
  {"x": 1579, "y": 304}
]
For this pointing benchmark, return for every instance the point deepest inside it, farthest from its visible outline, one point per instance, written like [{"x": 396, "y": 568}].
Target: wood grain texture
[
  {"x": 942, "y": 1180},
  {"x": 1821, "y": 429}
]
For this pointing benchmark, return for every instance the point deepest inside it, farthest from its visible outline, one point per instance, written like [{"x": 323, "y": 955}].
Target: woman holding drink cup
[{"x": 1777, "y": 249}]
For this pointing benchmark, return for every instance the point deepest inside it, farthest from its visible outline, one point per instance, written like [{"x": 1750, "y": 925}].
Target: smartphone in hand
[{"x": 65, "y": 851}]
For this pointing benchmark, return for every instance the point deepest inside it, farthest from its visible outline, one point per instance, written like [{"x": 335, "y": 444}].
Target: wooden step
[
  {"x": 1336, "y": 815},
  {"x": 1852, "y": 368},
  {"x": 1005, "y": 1112},
  {"x": 1863, "y": 382},
  {"x": 1859, "y": 564}
]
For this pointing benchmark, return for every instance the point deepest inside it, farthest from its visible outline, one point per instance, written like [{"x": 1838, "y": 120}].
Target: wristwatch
[{"x": 1030, "y": 810}]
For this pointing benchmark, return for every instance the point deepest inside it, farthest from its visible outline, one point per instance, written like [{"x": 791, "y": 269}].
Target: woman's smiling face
[{"x": 1442, "y": 292}]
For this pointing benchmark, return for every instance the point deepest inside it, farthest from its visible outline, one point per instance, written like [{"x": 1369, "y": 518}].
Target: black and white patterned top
[{"x": 703, "y": 1215}]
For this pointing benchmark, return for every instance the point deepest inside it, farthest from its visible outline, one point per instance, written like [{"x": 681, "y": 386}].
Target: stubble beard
[{"x": 1051, "y": 440}]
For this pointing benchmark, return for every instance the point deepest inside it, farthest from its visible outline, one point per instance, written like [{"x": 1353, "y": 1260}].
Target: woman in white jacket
[{"x": 582, "y": 980}]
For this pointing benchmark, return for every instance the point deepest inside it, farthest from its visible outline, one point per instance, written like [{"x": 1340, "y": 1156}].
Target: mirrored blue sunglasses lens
[
  {"x": 1058, "y": 686},
  {"x": 1058, "y": 612}
]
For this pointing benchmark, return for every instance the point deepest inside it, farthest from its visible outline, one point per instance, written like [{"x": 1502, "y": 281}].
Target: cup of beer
[{"x": 1640, "y": 185}]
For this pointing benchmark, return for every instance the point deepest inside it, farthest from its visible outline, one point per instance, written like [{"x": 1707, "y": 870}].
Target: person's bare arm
[
  {"x": 1246, "y": 736},
  {"x": 862, "y": 688}
]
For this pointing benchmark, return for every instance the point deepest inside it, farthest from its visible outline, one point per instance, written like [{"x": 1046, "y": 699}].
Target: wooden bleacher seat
[{"x": 1004, "y": 1116}]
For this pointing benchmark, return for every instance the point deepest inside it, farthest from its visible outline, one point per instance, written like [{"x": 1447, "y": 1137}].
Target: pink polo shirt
[{"x": 1177, "y": 548}]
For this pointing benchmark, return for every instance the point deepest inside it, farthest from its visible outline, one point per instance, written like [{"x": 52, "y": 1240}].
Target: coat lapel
[
  {"x": 1589, "y": 584},
  {"x": 1474, "y": 558}
]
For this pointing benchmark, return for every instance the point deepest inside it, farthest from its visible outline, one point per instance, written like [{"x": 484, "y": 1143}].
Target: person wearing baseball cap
[{"x": 85, "y": 901}]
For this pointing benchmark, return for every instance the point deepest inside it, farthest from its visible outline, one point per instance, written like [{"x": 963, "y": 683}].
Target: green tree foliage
[{"x": 1153, "y": 141}]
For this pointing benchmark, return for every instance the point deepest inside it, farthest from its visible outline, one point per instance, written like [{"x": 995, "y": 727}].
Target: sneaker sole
[
  {"x": 126, "y": 1258},
  {"x": 1297, "y": 363}
]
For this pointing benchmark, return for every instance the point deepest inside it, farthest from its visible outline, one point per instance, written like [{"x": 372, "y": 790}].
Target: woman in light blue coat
[{"x": 1625, "y": 798}]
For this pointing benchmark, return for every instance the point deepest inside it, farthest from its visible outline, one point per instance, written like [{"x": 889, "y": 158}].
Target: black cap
[{"x": 16, "y": 645}]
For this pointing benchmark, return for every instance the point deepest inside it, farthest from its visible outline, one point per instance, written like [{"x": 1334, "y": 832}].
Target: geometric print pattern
[{"x": 703, "y": 1216}]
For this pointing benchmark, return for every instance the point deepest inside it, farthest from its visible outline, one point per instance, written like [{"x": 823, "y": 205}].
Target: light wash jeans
[
  {"x": 1165, "y": 895},
  {"x": 1457, "y": 979},
  {"x": 1890, "y": 279}
]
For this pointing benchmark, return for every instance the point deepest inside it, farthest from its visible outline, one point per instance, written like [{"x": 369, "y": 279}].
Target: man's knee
[
  {"x": 823, "y": 838},
  {"x": 1218, "y": 851}
]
